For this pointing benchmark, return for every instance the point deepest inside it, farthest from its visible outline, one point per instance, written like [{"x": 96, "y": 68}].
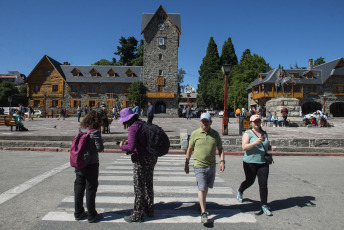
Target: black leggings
[{"x": 262, "y": 172}]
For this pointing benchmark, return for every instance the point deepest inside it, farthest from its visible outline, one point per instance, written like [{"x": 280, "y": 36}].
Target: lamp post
[
  {"x": 226, "y": 68},
  {"x": 44, "y": 104}
]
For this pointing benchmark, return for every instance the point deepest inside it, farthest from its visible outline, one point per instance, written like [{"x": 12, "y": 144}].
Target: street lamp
[
  {"x": 226, "y": 68},
  {"x": 44, "y": 104}
]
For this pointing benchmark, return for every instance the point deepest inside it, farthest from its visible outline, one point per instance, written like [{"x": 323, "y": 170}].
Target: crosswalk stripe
[
  {"x": 223, "y": 216},
  {"x": 163, "y": 189},
  {"x": 176, "y": 199},
  {"x": 130, "y": 200},
  {"x": 156, "y": 178},
  {"x": 156, "y": 172}
]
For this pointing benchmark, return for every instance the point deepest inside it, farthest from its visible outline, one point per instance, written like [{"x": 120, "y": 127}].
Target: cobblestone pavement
[{"x": 172, "y": 126}]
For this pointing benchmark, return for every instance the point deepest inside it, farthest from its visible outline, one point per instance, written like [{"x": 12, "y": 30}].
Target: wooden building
[{"x": 317, "y": 88}]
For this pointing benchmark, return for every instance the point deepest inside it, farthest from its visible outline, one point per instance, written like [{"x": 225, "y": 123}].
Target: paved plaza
[{"x": 172, "y": 126}]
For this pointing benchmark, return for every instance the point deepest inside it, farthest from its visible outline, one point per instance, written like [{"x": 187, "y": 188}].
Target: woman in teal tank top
[{"x": 254, "y": 143}]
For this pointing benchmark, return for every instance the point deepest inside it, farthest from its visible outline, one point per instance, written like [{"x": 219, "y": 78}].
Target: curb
[{"x": 176, "y": 152}]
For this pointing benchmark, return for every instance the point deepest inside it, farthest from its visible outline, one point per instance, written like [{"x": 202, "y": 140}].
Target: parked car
[
  {"x": 221, "y": 113},
  {"x": 38, "y": 113}
]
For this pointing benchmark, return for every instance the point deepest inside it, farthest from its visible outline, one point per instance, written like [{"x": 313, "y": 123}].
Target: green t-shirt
[
  {"x": 205, "y": 147},
  {"x": 257, "y": 153}
]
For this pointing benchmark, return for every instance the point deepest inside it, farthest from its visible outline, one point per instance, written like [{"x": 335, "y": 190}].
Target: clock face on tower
[{"x": 161, "y": 26}]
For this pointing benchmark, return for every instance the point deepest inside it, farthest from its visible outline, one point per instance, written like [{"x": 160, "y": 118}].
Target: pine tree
[
  {"x": 228, "y": 55},
  {"x": 208, "y": 70}
]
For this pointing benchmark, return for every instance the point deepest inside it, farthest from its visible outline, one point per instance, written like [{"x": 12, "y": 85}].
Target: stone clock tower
[{"x": 161, "y": 33}]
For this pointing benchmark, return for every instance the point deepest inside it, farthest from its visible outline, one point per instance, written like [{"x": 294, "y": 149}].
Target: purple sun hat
[{"x": 126, "y": 114}]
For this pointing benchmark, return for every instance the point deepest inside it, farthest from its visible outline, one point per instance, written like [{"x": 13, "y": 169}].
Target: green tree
[
  {"x": 208, "y": 70},
  {"x": 126, "y": 50},
  {"x": 137, "y": 93},
  {"x": 246, "y": 53},
  {"x": 181, "y": 74},
  {"x": 319, "y": 61},
  {"x": 103, "y": 62},
  {"x": 242, "y": 75},
  {"x": 138, "y": 60},
  {"x": 18, "y": 94},
  {"x": 228, "y": 55}
]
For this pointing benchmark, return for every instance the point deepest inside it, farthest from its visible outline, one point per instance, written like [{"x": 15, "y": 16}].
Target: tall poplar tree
[{"x": 208, "y": 70}]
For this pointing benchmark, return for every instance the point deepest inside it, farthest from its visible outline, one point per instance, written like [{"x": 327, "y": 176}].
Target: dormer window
[
  {"x": 161, "y": 41},
  {"x": 129, "y": 73},
  {"x": 296, "y": 75},
  {"x": 111, "y": 73},
  {"x": 94, "y": 73},
  {"x": 75, "y": 72}
]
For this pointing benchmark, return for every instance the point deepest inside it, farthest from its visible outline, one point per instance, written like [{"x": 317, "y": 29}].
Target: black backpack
[{"x": 158, "y": 142}]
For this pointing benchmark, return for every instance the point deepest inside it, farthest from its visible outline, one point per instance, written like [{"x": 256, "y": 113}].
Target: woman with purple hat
[
  {"x": 144, "y": 164},
  {"x": 255, "y": 143}
]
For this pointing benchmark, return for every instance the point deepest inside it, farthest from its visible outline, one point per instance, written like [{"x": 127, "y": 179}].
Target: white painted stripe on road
[
  {"x": 9, "y": 194},
  {"x": 130, "y": 200},
  {"x": 219, "y": 216},
  {"x": 155, "y": 172},
  {"x": 186, "y": 178},
  {"x": 158, "y": 163},
  {"x": 163, "y": 189}
]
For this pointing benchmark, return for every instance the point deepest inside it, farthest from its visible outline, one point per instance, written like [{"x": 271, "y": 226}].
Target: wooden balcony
[
  {"x": 261, "y": 95},
  {"x": 160, "y": 94}
]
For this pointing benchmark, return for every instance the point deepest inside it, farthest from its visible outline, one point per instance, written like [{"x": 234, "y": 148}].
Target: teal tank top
[{"x": 257, "y": 153}]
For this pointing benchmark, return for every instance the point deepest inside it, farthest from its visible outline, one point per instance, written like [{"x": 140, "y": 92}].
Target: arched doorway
[
  {"x": 160, "y": 107},
  {"x": 337, "y": 109},
  {"x": 310, "y": 107}
]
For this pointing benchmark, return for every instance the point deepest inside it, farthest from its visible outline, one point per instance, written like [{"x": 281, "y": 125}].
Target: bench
[{"x": 6, "y": 120}]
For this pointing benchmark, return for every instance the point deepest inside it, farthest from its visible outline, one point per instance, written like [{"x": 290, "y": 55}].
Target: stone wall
[
  {"x": 168, "y": 63},
  {"x": 276, "y": 105}
]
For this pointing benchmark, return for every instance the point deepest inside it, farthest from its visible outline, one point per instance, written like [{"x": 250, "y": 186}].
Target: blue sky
[{"x": 83, "y": 31}]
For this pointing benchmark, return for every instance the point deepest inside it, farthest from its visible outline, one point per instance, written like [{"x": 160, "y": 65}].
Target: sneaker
[
  {"x": 239, "y": 196},
  {"x": 95, "y": 219},
  {"x": 204, "y": 218},
  {"x": 131, "y": 219},
  {"x": 82, "y": 216},
  {"x": 266, "y": 210}
]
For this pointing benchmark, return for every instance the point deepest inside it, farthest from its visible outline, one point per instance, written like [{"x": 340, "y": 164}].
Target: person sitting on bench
[{"x": 19, "y": 123}]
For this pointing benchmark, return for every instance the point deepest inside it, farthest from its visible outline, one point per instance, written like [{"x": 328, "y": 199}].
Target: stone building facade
[{"x": 161, "y": 33}]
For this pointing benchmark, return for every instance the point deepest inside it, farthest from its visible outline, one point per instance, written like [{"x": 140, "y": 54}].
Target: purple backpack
[{"x": 79, "y": 151}]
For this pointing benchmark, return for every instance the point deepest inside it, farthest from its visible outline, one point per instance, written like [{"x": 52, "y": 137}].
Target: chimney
[
  {"x": 66, "y": 63},
  {"x": 310, "y": 63}
]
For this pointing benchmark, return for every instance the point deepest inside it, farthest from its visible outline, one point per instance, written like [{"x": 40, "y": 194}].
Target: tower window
[
  {"x": 161, "y": 41},
  {"x": 161, "y": 73},
  {"x": 160, "y": 56}
]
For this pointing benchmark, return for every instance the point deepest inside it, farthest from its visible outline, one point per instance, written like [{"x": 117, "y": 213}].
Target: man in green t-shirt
[{"x": 204, "y": 142}]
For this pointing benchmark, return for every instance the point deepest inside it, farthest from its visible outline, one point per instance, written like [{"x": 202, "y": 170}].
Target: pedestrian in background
[
  {"x": 254, "y": 143},
  {"x": 78, "y": 110},
  {"x": 150, "y": 113},
  {"x": 188, "y": 112},
  {"x": 85, "y": 110},
  {"x": 204, "y": 142},
  {"x": 87, "y": 178},
  {"x": 237, "y": 114},
  {"x": 284, "y": 113},
  {"x": 144, "y": 164},
  {"x": 136, "y": 108}
]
